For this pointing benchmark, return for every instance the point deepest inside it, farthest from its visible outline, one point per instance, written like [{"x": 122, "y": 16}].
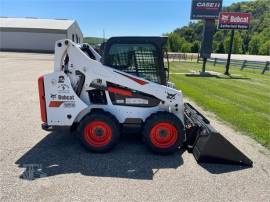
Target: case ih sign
[
  {"x": 205, "y": 9},
  {"x": 233, "y": 20}
]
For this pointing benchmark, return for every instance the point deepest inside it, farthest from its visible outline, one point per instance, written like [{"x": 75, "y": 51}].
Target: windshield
[{"x": 138, "y": 59}]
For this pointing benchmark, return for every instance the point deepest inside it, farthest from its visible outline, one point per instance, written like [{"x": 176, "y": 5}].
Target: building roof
[{"x": 35, "y": 23}]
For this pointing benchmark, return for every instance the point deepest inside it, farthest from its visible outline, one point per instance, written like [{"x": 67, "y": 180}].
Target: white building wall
[
  {"x": 75, "y": 31},
  {"x": 29, "y": 41}
]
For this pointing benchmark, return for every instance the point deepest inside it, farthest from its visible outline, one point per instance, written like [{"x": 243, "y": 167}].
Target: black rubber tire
[
  {"x": 112, "y": 123},
  {"x": 167, "y": 118}
]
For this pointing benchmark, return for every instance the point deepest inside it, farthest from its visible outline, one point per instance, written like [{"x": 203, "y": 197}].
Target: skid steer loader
[{"x": 126, "y": 89}]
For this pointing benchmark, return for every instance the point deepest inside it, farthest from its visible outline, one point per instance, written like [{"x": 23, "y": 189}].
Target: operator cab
[{"x": 139, "y": 56}]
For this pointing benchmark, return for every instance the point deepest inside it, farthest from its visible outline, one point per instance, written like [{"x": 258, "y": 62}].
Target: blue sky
[{"x": 115, "y": 17}]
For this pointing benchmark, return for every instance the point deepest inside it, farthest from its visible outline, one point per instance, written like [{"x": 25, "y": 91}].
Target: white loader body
[
  {"x": 64, "y": 106},
  {"x": 100, "y": 102}
]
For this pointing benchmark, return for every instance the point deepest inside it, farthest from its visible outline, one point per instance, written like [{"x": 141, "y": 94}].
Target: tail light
[{"x": 42, "y": 101}]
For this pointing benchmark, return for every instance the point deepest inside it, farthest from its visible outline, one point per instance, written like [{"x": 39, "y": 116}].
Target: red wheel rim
[
  {"x": 163, "y": 135},
  {"x": 97, "y": 133}
]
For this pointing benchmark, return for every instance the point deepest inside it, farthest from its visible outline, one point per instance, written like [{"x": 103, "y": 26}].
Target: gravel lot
[{"x": 128, "y": 173}]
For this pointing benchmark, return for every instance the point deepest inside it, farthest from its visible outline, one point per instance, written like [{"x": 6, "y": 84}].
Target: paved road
[{"x": 128, "y": 173}]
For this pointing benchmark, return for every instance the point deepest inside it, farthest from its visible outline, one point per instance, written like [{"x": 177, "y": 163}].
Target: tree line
[{"x": 254, "y": 41}]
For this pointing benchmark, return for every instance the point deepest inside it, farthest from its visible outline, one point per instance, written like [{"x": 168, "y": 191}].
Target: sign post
[
  {"x": 229, "y": 54},
  {"x": 232, "y": 21},
  {"x": 207, "y": 10}
]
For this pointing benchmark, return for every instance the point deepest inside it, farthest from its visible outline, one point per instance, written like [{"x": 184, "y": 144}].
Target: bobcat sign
[
  {"x": 205, "y": 9},
  {"x": 234, "y": 20}
]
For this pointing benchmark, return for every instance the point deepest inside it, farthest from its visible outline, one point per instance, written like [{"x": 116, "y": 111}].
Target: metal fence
[
  {"x": 242, "y": 64},
  {"x": 182, "y": 56}
]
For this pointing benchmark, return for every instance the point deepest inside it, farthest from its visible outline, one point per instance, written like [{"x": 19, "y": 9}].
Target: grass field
[{"x": 243, "y": 100}]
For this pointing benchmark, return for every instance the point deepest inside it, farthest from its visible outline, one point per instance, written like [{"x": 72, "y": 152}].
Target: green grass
[{"x": 243, "y": 100}]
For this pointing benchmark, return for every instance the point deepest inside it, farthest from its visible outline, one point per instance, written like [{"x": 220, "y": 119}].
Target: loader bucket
[{"x": 208, "y": 145}]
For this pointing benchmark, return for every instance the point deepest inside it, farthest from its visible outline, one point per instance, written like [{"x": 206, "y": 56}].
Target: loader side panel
[
  {"x": 125, "y": 96},
  {"x": 62, "y": 103}
]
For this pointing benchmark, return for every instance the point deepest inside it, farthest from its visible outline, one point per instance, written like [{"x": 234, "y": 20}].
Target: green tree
[
  {"x": 220, "y": 48},
  {"x": 178, "y": 44},
  {"x": 259, "y": 43},
  {"x": 219, "y": 36},
  {"x": 186, "y": 47},
  {"x": 254, "y": 45},
  {"x": 93, "y": 40},
  {"x": 195, "y": 47},
  {"x": 174, "y": 42},
  {"x": 265, "y": 48},
  {"x": 237, "y": 43},
  {"x": 252, "y": 41}
]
